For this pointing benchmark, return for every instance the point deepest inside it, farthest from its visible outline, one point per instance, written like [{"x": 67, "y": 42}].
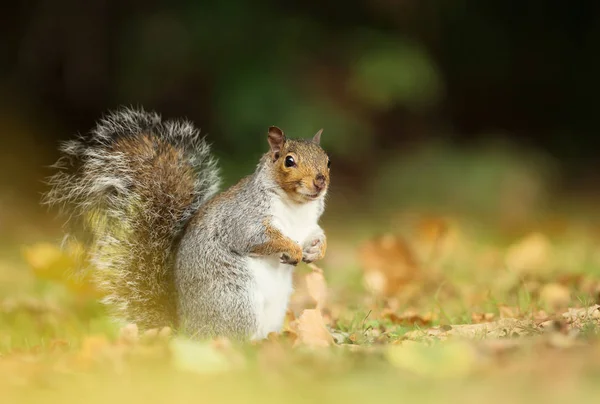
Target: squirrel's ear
[
  {"x": 317, "y": 137},
  {"x": 276, "y": 139}
]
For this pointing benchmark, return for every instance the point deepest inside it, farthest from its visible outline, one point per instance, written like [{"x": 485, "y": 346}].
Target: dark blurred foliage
[{"x": 380, "y": 76}]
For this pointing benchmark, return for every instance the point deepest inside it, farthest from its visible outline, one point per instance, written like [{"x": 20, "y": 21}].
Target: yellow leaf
[
  {"x": 47, "y": 261},
  {"x": 312, "y": 331},
  {"x": 529, "y": 255}
]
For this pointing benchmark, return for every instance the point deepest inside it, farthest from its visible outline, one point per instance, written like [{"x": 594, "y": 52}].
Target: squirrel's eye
[
  {"x": 328, "y": 163},
  {"x": 289, "y": 161}
]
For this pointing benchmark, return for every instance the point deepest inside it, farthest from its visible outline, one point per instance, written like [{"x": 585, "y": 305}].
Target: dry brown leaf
[
  {"x": 431, "y": 228},
  {"x": 408, "y": 318},
  {"x": 388, "y": 263},
  {"x": 581, "y": 315},
  {"x": 317, "y": 286},
  {"x": 482, "y": 317},
  {"x": 540, "y": 316},
  {"x": 529, "y": 255},
  {"x": 509, "y": 312},
  {"x": 311, "y": 329},
  {"x": 434, "y": 238}
]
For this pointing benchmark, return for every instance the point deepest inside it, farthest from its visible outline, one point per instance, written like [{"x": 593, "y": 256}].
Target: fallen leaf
[
  {"x": 578, "y": 316},
  {"x": 482, "y": 317},
  {"x": 317, "y": 286},
  {"x": 408, "y": 318},
  {"x": 49, "y": 262},
  {"x": 555, "y": 296},
  {"x": 529, "y": 255},
  {"x": 434, "y": 238},
  {"x": 311, "y": 329},
  {"x": 508, "y": 312},
  {"x": 375, "y": 282},
  {"x": 388, "y": 264}
]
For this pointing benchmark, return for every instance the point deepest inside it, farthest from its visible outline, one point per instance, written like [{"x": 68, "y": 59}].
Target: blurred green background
[{"x": 483, "y": 107}]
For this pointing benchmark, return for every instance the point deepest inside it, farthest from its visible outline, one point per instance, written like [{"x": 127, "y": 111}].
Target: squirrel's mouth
[{"x": 311, "y": 195}]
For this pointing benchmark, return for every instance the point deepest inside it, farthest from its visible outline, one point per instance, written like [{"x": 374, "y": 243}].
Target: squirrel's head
[{"x": 300, "y": 166}]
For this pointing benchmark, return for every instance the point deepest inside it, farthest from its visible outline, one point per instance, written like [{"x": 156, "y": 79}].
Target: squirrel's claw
[{"x": 286, "y": 259}]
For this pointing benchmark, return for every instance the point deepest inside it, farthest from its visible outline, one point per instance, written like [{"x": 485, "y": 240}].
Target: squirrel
[{"x": 166, "y": 248}]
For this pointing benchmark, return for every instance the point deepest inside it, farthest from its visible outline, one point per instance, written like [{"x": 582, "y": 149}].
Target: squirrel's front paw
[
  {"x": 292, "y": 257},
  {"x": 314, "y": 250}
]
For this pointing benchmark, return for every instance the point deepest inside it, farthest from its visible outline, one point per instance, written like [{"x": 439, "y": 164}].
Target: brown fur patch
[
  {"x": 278, "y": 243},
  {"x": 167, "y": 190},
  {"x": 156, "y": 162}
]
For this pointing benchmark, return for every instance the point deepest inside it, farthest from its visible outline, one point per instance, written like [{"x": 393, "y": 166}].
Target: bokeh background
[{"x": 481, "y": 107}]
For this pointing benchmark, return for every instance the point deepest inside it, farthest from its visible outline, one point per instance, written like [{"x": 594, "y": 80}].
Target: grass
[{"x": 478, "y": 319}]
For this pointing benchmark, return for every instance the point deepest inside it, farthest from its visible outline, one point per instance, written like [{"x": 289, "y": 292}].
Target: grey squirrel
[{"x": 169, "y": 250}]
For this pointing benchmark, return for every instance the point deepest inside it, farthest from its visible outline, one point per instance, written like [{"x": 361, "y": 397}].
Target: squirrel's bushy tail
[{"x": 133, "y": 182}]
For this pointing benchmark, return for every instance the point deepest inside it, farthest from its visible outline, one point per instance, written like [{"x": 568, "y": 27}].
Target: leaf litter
[{"x": 434, "y": 303}]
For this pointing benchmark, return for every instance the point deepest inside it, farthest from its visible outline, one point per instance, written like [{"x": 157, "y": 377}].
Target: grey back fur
[{"x": 214, "y": 286}]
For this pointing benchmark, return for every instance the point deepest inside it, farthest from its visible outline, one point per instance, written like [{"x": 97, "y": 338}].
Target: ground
[{"x": 425, "y": 308}]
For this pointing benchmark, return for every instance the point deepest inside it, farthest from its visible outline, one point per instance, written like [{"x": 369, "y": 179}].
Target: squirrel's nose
[{"x": 319, "y": 181}]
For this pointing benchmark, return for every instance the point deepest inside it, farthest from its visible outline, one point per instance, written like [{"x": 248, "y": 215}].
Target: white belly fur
[{"x": 273, "y": 279}]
